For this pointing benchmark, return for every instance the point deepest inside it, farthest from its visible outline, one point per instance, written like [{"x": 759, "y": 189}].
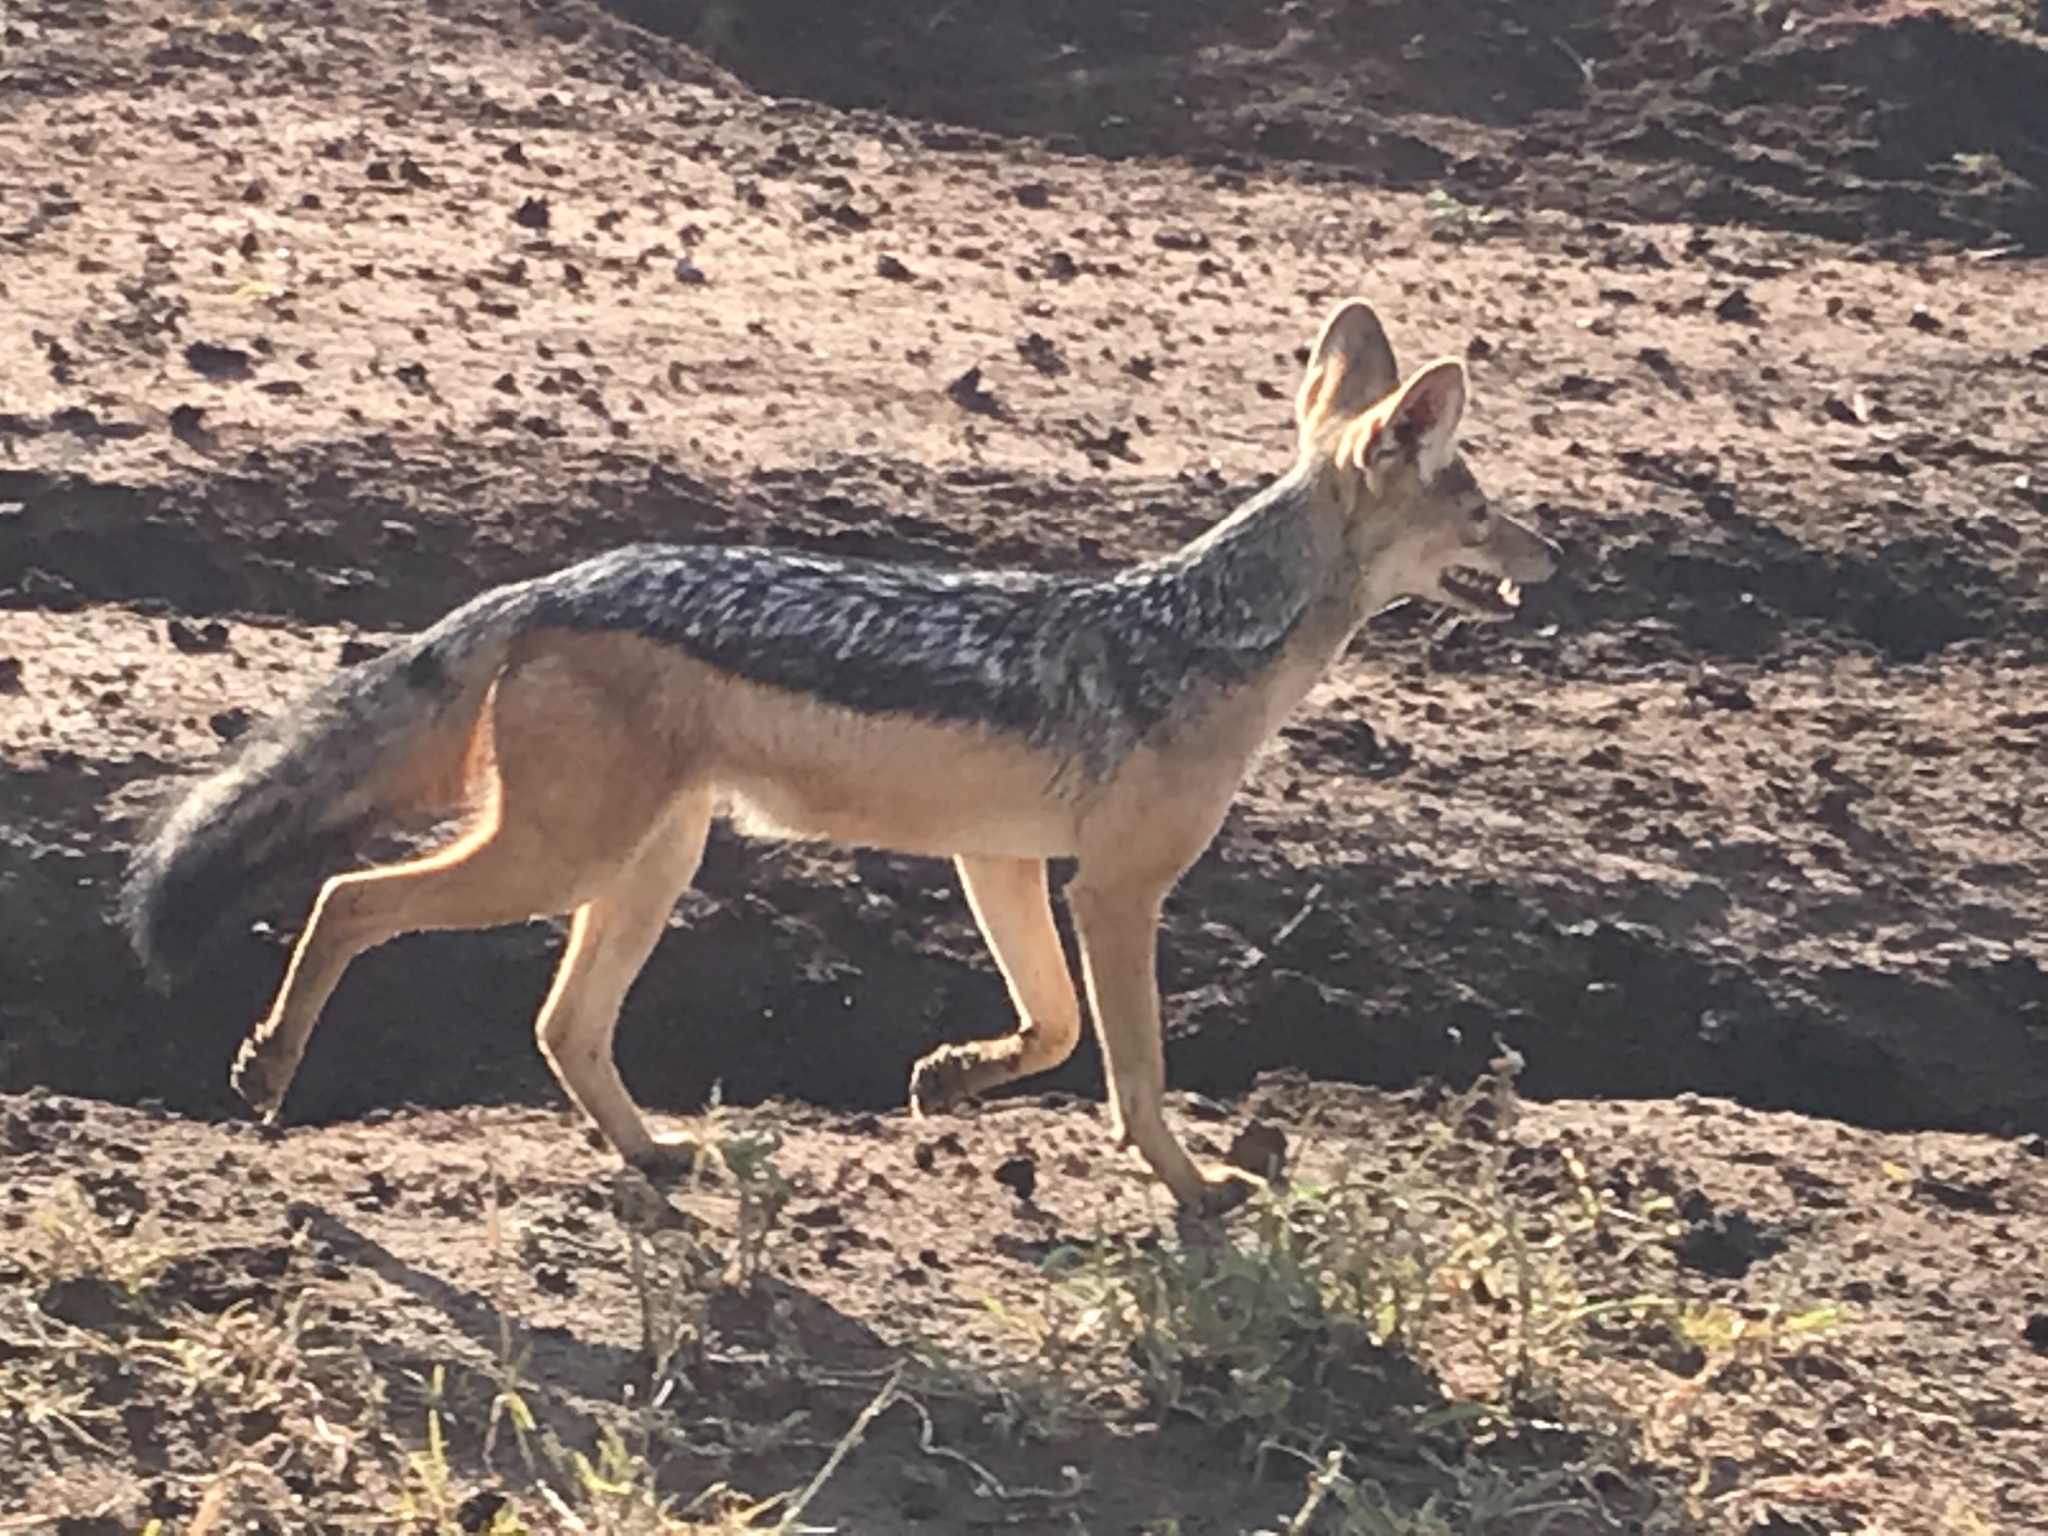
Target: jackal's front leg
[
  {"x": 1010, "y": 902},
  {"x": 1119, "y": 930}
]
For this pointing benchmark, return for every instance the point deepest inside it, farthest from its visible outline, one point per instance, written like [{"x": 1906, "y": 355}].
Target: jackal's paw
[
  {"x": 260, "y": 1076},
  {"x": 946, "y": 1079},
  {"x": 1222, "y": 1190},
  {"x": 669, "y": 1158}
]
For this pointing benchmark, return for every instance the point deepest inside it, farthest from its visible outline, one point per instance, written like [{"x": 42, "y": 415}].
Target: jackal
[{"x": 595, "y": 719}]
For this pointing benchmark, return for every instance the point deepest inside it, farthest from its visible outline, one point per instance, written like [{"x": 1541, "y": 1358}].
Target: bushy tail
[{"x": 388, "y": 735}]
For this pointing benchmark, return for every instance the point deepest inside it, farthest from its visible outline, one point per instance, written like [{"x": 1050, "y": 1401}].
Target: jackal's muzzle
[{"x": 1487, "y": 581}]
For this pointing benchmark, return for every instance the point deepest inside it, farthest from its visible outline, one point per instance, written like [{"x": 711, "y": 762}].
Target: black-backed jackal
[{"x": 597, "y": 718}]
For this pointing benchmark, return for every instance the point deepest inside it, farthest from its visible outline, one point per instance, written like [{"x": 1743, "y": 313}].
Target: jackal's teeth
[{"x": 1481, "y": 591}]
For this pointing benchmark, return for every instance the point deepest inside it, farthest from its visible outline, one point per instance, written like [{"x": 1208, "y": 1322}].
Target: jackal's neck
[{"x": 1280, "y": 566}]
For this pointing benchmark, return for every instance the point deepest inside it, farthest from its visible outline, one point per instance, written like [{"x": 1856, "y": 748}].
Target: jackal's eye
[{"x": 1478, "y": 515}]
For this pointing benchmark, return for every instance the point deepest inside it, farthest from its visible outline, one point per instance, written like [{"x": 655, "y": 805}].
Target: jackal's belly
[{"x": 891, "y": 782}]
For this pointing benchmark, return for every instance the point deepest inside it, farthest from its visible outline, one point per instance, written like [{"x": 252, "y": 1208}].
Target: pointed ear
[
  {"x": 1420, "y": 425},
  {"x": 1350, "y": 370}
]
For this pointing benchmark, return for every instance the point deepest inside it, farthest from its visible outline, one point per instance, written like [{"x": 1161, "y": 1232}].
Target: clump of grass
[
  {"x": 1420, "y": 1307},
  {"x": 716, "y": 1236},
  {"x": 610, "y": 1490},
  {"x": 1429, "y": 1265}
]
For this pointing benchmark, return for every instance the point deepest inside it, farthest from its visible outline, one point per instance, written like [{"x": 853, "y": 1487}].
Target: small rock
[
  {"x": 10, "y": 675},
  {"x": 1582, "y": 386},
  {"x": 1042, "y": 353},
  {"x": 1104, "y": 442},
  {"x": 230, "y": 724},
  {"x": 687, "y": 271},
  {"x": 18, "y": 1134},
  {"x": 1033, "y": 194},
  {"x": 1982, "y": 1197},
  {"x": 1659, "y": 362},
  {"x": 554, "y": 1280},
  {"x": 1739, "y": 308},
  {"x": 185, "y": 422},
  {"x": 1720, "y": 691},
  {"x": 1922, "y": 320},
  {"x": 1261, "y": 1149},
  {"x": 1019, "y": 1174},
  {"x": 379, "y": 1192},
  {"x": 926, "y": 1153},
  {"x": 2035, "y": 1331},
  {"x": 356, "y": 652},
  {"x": 209, "y": 637},
  {"x": 211, "y": 360},
  {"x": 967, "y": 393},
  {"x": 533, "y": 214},
  {"x": 1884, "y": 463},
  {"x": 1725, "y": 1244},
  {"x": 480, "y": 1510},
  {"x": 889, "y": 267}
]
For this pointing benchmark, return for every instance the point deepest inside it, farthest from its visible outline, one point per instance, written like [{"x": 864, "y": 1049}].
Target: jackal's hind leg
[
  {"x": 610, "y": 938},
  {"x": 1010, "y": 902},
  {"x": 499, "y": 873},
  {"x": 572, "y": 801}
]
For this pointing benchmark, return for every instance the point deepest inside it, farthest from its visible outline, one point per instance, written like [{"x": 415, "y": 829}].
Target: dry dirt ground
[{"x": 317, "y": 318}]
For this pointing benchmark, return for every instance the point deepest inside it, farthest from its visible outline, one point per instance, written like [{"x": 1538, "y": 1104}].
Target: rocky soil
[{"x": 317, "y": 319}]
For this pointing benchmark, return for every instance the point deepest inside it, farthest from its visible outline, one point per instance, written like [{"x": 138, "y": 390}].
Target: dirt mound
[{"x": 1867, "y": 122}]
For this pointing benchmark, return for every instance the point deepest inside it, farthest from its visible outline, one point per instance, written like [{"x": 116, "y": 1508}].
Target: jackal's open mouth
[{"x": 1481, "y": 591}]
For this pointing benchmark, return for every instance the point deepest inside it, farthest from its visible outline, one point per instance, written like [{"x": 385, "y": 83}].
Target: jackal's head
[{"x": 1388, "y": 453}]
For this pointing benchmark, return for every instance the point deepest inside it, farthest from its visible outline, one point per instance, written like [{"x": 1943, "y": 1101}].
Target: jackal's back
[{"x": 1087, "y": 665}]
